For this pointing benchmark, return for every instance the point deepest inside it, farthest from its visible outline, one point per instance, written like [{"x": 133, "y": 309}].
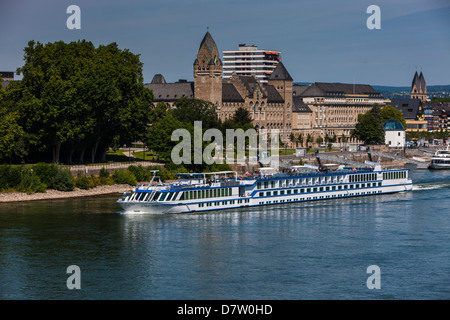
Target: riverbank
[{"x": 54, "y": 194}]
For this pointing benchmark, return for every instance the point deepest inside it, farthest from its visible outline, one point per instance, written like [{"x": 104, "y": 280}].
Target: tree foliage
[
  {"x": 193, "y": 110},
  {"x": 75, "y": 98},
  {"x": 370, "y": 126},
  {"x": 389, "y": 112}
]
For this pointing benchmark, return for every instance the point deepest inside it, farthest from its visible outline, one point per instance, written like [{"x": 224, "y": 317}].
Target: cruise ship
[{"x": 202, "y": 192}]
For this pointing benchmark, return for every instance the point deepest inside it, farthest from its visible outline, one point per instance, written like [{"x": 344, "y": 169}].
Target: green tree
[
  {"x": 242, "y": 118},
  {"x": 11, "y": 134},
  {"x": 370, "y": 127},
  {"x": 191, "y": 110},
  {"x": 292, "y": 137},
  {"x": 300, "y": 139},
  {"x": 159, "y": 136},
  {"x": 319, "y": 140},
  {"x": 309, "y": 140},
  {"x": 158, "y": 112},
  {"x": 75, "y": 97},
  {"x": 389, "y": 112}
]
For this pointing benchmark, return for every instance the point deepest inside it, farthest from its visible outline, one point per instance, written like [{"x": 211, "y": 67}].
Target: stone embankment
[{"x": 54, "y": 194}]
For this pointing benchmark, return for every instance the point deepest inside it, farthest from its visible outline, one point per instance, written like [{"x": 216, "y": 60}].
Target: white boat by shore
[
  {"x": 201, "y": 192},
  {"x": 440, "y": 160}
]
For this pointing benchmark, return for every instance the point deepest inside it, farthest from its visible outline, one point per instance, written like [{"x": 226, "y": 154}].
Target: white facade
[
  {"x": 395, "y": 138},
  {"x": 248, "y": 61}
]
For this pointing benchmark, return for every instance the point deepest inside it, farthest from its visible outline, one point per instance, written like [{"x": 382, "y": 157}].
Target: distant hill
[
  {"x": 388, "y": 92},
  {"x": 440, "y": 91}
]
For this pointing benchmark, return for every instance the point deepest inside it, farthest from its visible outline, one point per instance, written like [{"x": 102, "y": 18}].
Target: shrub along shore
[{"x": 48, "y": 181}]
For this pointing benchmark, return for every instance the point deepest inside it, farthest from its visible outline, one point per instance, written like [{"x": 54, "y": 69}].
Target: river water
[{"x": 315, "y": 250}]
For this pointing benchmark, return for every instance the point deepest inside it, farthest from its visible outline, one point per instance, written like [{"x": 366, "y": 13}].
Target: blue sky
[{"x": 320, "y": 40}]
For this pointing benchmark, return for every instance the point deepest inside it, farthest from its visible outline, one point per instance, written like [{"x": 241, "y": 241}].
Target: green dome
[{"x": 393, "y": 125}]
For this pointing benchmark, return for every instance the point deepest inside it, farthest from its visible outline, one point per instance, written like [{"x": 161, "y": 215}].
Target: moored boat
[{"x": 440, "y": 160}]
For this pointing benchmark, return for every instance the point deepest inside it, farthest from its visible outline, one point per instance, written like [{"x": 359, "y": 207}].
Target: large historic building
[
  {"x": 269, "y": 102},
  {"x": 331, "y": 109},
  {"x": 319, "y": 109}
]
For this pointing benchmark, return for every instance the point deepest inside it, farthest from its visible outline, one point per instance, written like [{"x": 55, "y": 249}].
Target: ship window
[
  {"x": 272, "y": 183},
  {"x": 203, "y": 194},
  {"x": 163, "y": 196},
  {"x": 171, "y": 195},
  {"x": 268, "y": 193},
  {"x": 182, "y": 196},
  {"x": 266, "y": 184}
]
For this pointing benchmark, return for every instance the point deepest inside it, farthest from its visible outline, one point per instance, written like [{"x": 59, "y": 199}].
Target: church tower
[
  {"x": 208, "y": 72},
  {"x": 419, "y": 87}
]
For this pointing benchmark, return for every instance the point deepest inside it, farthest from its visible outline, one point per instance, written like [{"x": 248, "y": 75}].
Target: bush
[
  {"x": 140, "y": 173},
  {"x": 106, "y": 181},
  {"x": 165, "y": 174},
  {"x": 63, "y": 180},
  {"x": 82, "y": 182},
  {"x": 103, "y": 173},
  {"x": 46, "y": 172},
  {"x": 30, "y": 182},
  {"x": 94, "y": 181},
  {"x": 124, "y": 177},
  {"x": 10, "y": 177}
]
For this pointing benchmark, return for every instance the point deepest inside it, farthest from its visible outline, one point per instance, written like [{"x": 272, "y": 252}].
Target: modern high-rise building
[{"x": 250, "y": 61}]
